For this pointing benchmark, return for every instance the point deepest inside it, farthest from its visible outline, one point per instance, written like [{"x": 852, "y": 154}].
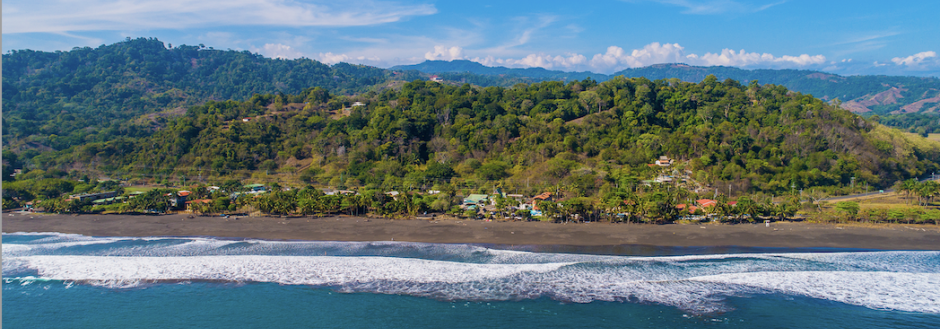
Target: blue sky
[{"x": 843, "y": 37}]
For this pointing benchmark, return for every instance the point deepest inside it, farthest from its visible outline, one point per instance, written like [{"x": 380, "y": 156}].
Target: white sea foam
[
  {"x": 903, "y": 280},
  {"x": 308, "y": 270},
  {"x": 14, "y": 248},
  {"x": 913, "y": 292}
]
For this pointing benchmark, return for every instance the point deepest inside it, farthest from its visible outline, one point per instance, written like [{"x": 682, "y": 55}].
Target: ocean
[{"x": 53, "y": 280}]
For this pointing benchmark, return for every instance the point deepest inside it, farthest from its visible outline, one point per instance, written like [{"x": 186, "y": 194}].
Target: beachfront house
[
  {"x": 690, "y": 208},
  {"x": 93, "y": 196},
  {"x": 547, "y": 196},
  {"x": 705, "y": 203},
  {"x": 536, "y": 212},
  {"x": 189, "y": 204},
  {"x": 178, "y": 199},
  {"x": 107, "y": 201},
  {"x": 476, "y": 200},
  {"x": 519, "y": 200}
]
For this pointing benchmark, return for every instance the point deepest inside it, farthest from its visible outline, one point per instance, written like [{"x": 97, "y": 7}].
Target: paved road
[{"x": 843, "y": 197}]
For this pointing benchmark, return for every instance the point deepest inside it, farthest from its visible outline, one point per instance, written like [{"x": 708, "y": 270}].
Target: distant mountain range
[{"x": 860, "y": 94}]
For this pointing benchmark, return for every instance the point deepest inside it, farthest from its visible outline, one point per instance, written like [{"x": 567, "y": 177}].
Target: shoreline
[{"x": 348, "y": 228}]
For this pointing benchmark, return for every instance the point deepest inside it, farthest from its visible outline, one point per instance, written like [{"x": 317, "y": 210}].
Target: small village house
[
  {"x": 476, "y": 200},
  {"x": 93, "y": 196},
  {"x": 547, "y": 196},
  {"x": 255, "y": 188}
]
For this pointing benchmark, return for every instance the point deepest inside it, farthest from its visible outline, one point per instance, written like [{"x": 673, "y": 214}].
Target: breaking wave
[{"x": 898, "y": 280}]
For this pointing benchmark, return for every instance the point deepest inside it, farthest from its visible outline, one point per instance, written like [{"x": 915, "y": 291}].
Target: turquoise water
[{"x": 73, "y": 281}]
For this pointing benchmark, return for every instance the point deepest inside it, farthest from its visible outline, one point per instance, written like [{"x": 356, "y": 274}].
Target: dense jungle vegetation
[
  {"x": 70, "y": 117},
  {"x": 58, "y": 99},
  {"x": 748, "y": 138}
]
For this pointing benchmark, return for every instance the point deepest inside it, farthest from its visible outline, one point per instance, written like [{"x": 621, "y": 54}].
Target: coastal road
[{"x": 852, "y": 196}]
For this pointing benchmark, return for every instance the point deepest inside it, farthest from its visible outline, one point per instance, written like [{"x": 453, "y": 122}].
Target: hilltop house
[
  {"x": 664, "y": 161},
  {"x": 255, "y": 188}
]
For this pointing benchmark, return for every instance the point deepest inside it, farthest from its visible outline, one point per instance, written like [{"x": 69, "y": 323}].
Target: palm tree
[
  {"x": 908, "y": 187},
  {"x": 307, "y": 206},
  {"x": 747, "y": 207},
  {"x": 721, "y": 207}
]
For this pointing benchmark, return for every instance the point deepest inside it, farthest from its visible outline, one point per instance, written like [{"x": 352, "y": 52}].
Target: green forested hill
[
  {"x": 582, "y": 135},
  {"x": 890, "y": 93},
  {"x": 63, "y": 98},
  {"x": 859, "y": 88},
  {"x": 82, "y": 109}
]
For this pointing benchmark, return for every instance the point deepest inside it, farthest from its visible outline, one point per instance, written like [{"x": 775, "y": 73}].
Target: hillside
[
  {"x": 860, "y": 94},
  {"x": 57, "y": 99},
  {"x": 582, "y": 135},
  {"x": 54, "y": 100}
]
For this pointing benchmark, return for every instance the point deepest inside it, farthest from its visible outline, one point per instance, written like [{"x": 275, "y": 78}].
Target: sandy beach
[{"x": 345, "y": 228}]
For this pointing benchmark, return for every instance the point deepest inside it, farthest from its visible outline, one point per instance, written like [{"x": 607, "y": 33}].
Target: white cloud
[
  {"x": 915, "y": 59},
  {"x": 58, "y": 16},
  {"x": 442, "y": 53},
  {"x": 331, "y": 58},
  {"x": 278, "y": 50},
  {"x": 616, "y": 58},
  {"x": 728, "y": 57},
  {"x": 571, "y": 62}
]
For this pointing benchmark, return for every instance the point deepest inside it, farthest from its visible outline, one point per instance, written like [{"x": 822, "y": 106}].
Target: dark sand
[{"x": 343, "y": 228}]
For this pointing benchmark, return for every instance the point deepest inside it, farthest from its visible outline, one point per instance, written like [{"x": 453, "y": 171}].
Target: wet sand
[{"x": 345, "y": 228}]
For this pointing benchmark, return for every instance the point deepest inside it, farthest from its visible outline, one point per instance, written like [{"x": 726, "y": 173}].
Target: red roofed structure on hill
[{"x": 706, "y": 202}]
